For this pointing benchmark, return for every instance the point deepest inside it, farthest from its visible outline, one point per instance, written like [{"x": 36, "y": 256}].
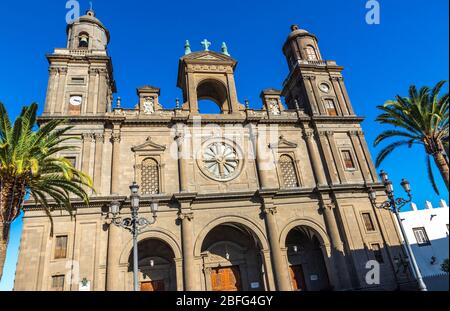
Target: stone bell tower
[
  {"x": 314, "y": 85},
  {"x": 81, "y": 81},
  {"x": 208, "y": 75}
]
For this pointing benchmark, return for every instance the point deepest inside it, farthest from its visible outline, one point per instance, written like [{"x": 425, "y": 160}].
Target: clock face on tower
[
  {"x": 76, "y": 100},
  {"x": 324, "y": 88}
]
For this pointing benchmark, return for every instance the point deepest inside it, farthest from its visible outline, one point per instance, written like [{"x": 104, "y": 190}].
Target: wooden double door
[
  {"x": 226, "y": 279},
  {"x": 298, "y": 278},
  {"x": 153, "y": 286}
]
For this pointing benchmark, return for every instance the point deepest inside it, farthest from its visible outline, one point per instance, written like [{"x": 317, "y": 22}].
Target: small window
[
  {"x": 311, "y": 53},
  {"x": 77, "y": 80},
  {"x": 348, "y": 160},
  {"x": 368, "y": 222},
  {"x": 58, "y": 283},
  {"x": 421, "y": 237},
  {"x": 377, "y": 253},
  {"x": 61, "y": 247},
  {"x": 331, "y": 107}
]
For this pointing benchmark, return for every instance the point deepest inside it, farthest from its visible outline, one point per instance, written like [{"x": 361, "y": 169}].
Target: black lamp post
[
  {"x": 395, "y": 205},
  {"x": 134, "y": 224}
]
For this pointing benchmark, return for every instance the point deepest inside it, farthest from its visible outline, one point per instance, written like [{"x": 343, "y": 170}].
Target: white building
[{"x": 428, "y": 233}]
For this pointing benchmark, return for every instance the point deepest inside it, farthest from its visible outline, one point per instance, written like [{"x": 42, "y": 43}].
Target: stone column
[
  {"x": 281, "y": 270},
  {"x": 102, "y": 97},
  {"x": 88, "y": 138},
  {"x": 93, "y": 85},
  {"x": 261, "y": 162},
  {"x": 317, "y": 95},
  {"x": 340, "y": 97},
  {"x": 187, "y": 234},
  {"x": 345, "y": 93},
  {"x": 360, "y": 156},
  {"x": 336, "y": 156},
  {"x": 337, "y": 247},
  {"x": 115, "y": 167},
  {"x": 314, "y": 105},
  {"x": 112, "y": 264},
  {"x": 60, "y": 102},
  {"x": 182, "y": 162},
  {"x": 99, "y": 142},
  {"x": 53, "y": 72},
  {"x": 368, "y": 157},
  {"x": 328, "y": 158},
  {"x": 315, "y": 158}
]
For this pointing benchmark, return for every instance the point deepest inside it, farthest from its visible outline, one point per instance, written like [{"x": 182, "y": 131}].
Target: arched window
[
  {"x": 289, "y": 178},
  {"x": 210, "y": 92},
  {"x": 311, "y": 53},
  {"x": 150, "y": 177},
  {"x": 83, "y": 40}
]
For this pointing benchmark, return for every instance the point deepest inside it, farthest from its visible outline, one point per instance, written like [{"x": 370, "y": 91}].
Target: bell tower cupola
[
  {"x": 81, "y": 81},
  {"x": 301, "y": 46},
  {"x": 314, "y": 85},
  {"x": 208, "y": 75},
  {"x": 87, "y": 33}
]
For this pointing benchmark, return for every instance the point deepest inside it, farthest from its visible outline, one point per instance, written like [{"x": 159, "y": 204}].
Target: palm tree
[
  {"x": 30, "y": 168},
  {"x": 420, "y": 119}
]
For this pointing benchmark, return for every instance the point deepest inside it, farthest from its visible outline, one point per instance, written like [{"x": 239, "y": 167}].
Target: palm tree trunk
[
  {"x": 4, "y": 237},
  {"x": 11, "y": 196},
  {"x": 443, "y": 167}
]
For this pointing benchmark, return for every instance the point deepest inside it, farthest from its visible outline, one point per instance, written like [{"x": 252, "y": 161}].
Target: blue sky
[{"x": 410, "y": 46}]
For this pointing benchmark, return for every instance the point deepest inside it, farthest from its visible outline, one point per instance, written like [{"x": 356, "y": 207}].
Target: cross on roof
[{"x": 206, "y": 44}]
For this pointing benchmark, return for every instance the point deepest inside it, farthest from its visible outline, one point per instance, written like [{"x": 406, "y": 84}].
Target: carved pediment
[
  {"x": 149, "y": 145},
  {"x": 283, "y": 143},
  {"x": 208, "y": 56}
]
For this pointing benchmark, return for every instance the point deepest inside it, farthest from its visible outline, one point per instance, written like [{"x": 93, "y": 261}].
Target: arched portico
[
  {"x": 160, "y": 262},
  {"x": 307, "y": 253},
  {"x": 234, "y": 255}
]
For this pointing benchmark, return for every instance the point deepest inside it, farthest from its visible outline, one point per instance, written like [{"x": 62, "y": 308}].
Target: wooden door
[
  {"x": 226, "y": 279},
  {"x": 153, "y": 286},
  {"x": 298, "y": 278}
]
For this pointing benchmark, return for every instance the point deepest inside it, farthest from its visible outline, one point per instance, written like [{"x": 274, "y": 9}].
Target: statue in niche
[
  {"x": 149, "y": 105},
  {"x": 274, "y": 107}
]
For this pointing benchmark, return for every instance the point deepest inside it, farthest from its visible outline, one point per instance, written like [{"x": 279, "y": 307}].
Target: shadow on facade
[{"x": 234, "y": 259}]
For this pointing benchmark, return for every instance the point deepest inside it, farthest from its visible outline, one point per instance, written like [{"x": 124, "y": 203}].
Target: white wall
[{"x": 435, "y": 221}]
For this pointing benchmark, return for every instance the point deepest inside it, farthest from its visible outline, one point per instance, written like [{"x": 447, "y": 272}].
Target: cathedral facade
[{"x": 251, "y": 200}]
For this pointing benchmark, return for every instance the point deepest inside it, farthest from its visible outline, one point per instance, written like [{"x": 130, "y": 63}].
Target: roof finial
[
  {"x": 91, "y": 11},
  {"x": 187, "y": 48},
  {"x": 206, "y": 44},
  {"x": 225, "y": 49}
]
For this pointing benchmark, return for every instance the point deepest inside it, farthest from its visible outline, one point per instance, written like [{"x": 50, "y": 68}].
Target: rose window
[{"x": 221, "y": 161}]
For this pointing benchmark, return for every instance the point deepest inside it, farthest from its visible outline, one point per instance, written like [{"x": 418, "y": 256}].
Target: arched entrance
[
  {"x": 307, "y": 267},
  {"x": 157, "y": 271},
  {"x": 232, "y": 260}
]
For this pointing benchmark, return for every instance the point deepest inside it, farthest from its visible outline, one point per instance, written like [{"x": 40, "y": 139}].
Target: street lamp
[
  {"x": 395, "y": 205},
  {"x": 134, "y": 224}
]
